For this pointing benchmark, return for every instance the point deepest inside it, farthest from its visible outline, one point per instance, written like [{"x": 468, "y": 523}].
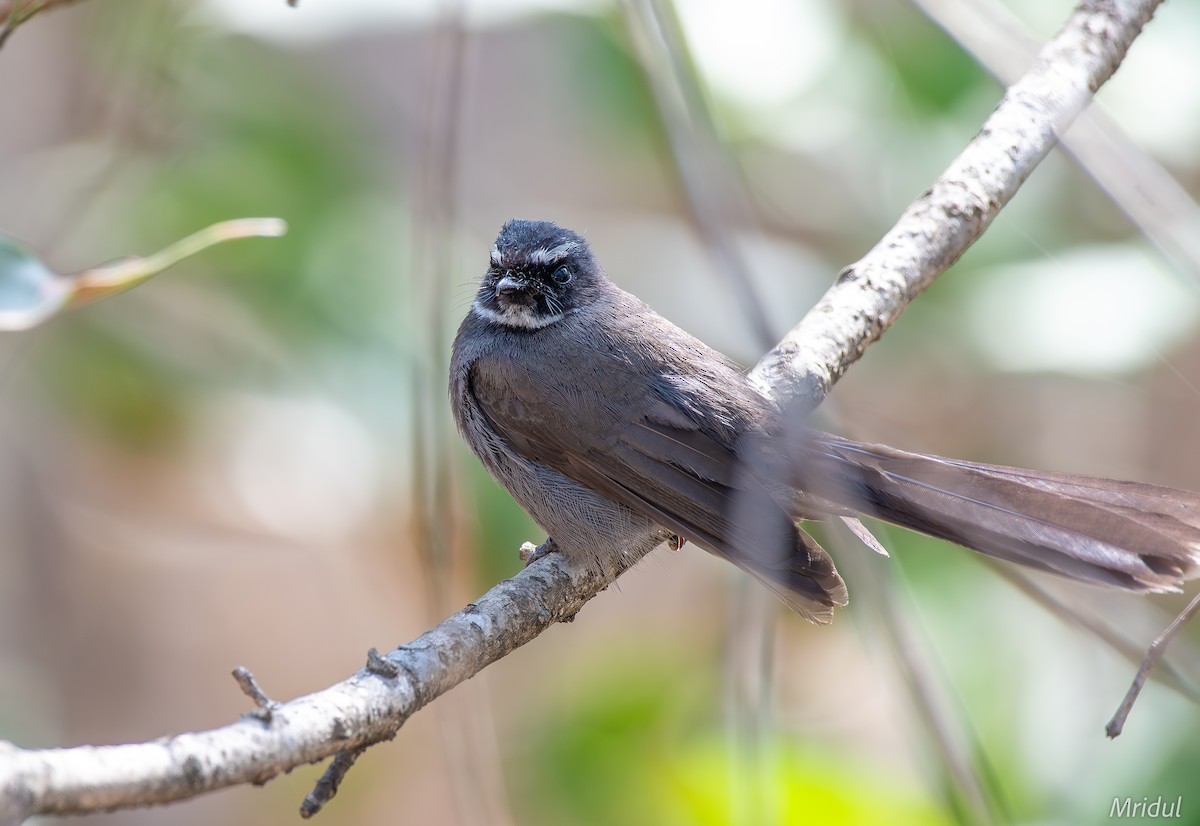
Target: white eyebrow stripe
[
  {"x": 545, "y": 256},
  {"x": 497, "y": 256}
]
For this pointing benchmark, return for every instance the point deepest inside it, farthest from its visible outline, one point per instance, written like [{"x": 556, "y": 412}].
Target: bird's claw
[{"x": 531, "y": 553}]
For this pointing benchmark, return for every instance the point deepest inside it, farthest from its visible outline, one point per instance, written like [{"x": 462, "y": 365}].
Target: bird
[{"x": 616, "y": 429}]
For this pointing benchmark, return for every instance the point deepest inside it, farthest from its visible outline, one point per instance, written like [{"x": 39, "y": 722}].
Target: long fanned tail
[{"x": 1130, "y": 535}]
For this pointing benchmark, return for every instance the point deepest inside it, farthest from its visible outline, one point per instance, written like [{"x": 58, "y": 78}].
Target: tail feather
[
  {"x": 805, "y": 579},
  {"x": 1131, "y": 535}
]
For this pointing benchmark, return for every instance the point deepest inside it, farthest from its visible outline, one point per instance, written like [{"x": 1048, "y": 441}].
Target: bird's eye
[{"x": 562, "y": 275}]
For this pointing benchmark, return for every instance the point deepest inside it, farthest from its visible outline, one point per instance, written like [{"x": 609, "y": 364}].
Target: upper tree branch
[
  {"x": 939, "y": 226},
  {"x": 868, "y": 297}
]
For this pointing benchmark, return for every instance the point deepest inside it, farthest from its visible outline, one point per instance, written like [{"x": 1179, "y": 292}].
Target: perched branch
[
  {"x": 372, "y": 705},
  {"x": 367, "y": 708}
]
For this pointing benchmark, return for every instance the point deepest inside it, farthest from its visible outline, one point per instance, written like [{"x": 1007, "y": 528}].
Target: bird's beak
[{"x": 510, "y": 285}]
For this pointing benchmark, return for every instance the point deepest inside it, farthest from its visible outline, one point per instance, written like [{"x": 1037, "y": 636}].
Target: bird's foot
[{"x": 531, "y": 553}]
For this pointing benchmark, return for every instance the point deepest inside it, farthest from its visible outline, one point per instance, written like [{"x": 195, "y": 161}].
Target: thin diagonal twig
[
  {"x": 954, "y": 742},
  {"x": 1157, "y": 649},
  {"x": 1168, "y": 674},
  {"x": 714, "y": 196}
]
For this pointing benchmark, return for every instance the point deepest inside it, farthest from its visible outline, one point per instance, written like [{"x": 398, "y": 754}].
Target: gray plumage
[{"x": 614, "y": 428}]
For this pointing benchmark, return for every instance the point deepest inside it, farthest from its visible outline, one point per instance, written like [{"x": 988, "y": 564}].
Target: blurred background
[{"x": 250, "y": 460}]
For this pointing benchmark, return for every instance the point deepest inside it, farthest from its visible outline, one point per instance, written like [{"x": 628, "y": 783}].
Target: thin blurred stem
[
  {"x": 433, "y": 218},
  {"x": 141, "y": 102},
  {"x": 958, "y": 750},
  {"x": 103, "y": 281},
  {"x": 1157, "y": 649},
  {"x": 11, "y": 21},
  {"x": 717, "y": 203},
  {"x": 749, "y": 678},
  {"x": 1168, "y": 675},
  {"x": 14, "y": 13},
  {"x": 714, "y": 195},
  {"x": 467, "y": 731}
]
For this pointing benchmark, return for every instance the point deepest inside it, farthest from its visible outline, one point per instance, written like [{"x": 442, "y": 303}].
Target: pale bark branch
[
  {"x": 1157, "y": 204},
  {"x": 939, "y": 226},
  {"x": 868, "y": 297},
  {"x": 368, "y": 707}
]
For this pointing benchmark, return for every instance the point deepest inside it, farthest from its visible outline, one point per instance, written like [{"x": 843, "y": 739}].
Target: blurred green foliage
[
  {"x": 601, "y": 66},
  {"x": 639, "y": 747},
  {"x": 934, "y": 75},
  {"x": 115, "y": 388},
  {"x": 285, "y": 145}
]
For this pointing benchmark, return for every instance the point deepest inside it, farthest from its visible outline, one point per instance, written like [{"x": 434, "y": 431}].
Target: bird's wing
[{"x": 657, "y": 445}]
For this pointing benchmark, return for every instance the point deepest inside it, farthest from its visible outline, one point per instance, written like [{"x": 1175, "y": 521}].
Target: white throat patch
[{"x": 516, "y": 316}]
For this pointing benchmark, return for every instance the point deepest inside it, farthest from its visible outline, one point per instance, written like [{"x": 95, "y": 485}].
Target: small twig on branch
[
  {"x": 1159, "y": 647},
  {"x": 251, "y": 688},
  {"x": 365, "y": 709},
  {"x": 381, "y": 665},
  {"x": 868, "y": 297},
  {"x": 328, "y": 785}
]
